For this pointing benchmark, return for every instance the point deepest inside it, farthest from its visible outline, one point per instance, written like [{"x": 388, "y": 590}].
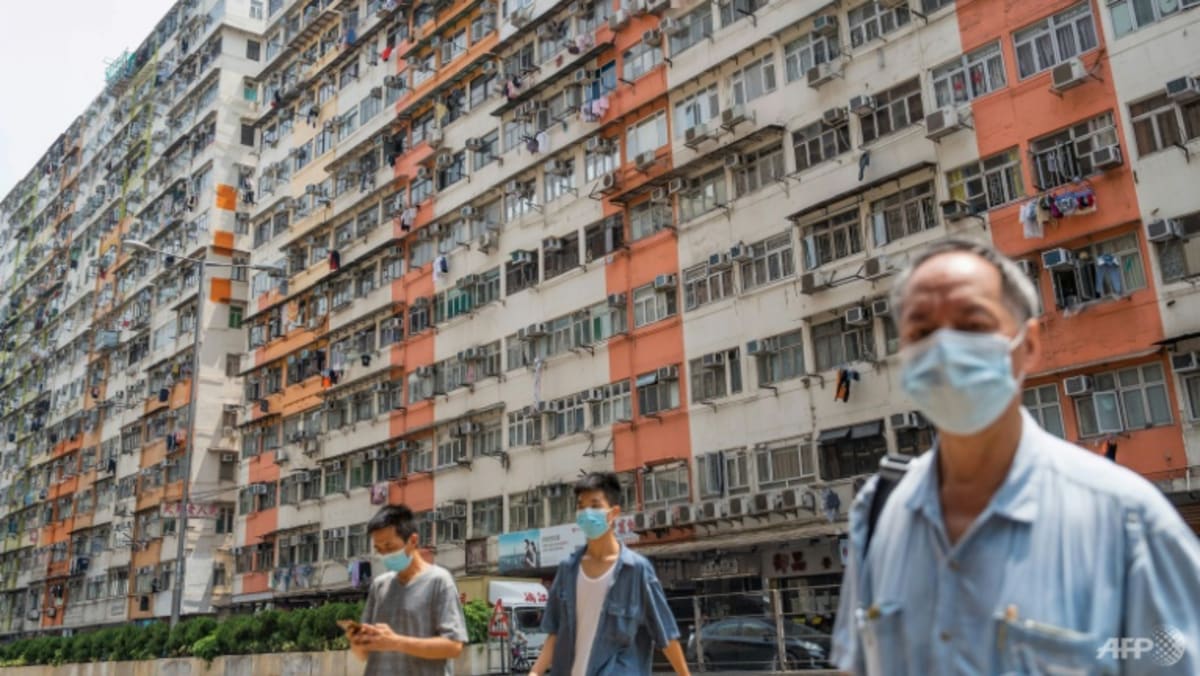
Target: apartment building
[{"x": 528, "y": 239}]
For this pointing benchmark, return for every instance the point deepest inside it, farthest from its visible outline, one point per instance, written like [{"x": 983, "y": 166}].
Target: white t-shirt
[{"x": 589, "y": 602}]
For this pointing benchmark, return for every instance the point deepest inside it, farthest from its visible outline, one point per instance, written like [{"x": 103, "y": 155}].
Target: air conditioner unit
[
  {"x": 736, "y": 507},
  {"x": 826, "y": 25},
  {"x": 519, "y": 17},
  {"x": 672, "y": 27},
  {"x": 594, "y": 394},
  {"x": 710, "y": 511},
  {"x": 487, "y": 240},
  {"x": 618, "y": 20},
  {"x": 719, "y": 261},
  {"x": 660, "y": 195},
  {"x": 956, "y": 210},
  {"x": 824, "y": 72},
  {"x": 1106, "y": 157},
  {"x": 394, "y": 81},
  {"x": 444, "y": 160},
  {"x": 1058, "y": 259},
  {"x": 616, "y": 300},
  {"x": 660, "y": 518},
  {"x": 696, "y": 134},
  {"x": 761, "y": 503},
  {"x": 1183, "y": 89},
  {"x": 1077, "y": 386},
  {"x": 662, "y": 282},
  {"x": 762, "y": 347},
  {"x": 536, "y": 329},
  {"x": 668, "y": 373},
  {"x": 862, "y": 105},
  {"x": 1068, "y": 74},
  {"x": 856, "y": 316},
  {"x": 1163, "y": 230},
  {"x": 943, "y": 122},
  {"x": 558, "y": 168},
  {"x": 1186, "y": 362},
  {"x": 834, "y": 116},
  {"x": 876, "y": 267},
  {"x": 553, "y": 244},
  {"x": 609, "y": 182},
  {"x": 735, "y": 115},
  {"x": 423, "y": 173},
  {"x": 645, "y": 160},
  {"x": 739, "y": 253},
  {"x": 522, "y": 257},
  {"x": 909, "y": 420},
  {"x": 229, "y": 457},
  {"x": 713, "y": 360},
  {"x": 1028, "y": 267},
  {"x": 684, "y": 514},
  {"x": 434, "y": 139},
  {"x": 652, "y": 37}
]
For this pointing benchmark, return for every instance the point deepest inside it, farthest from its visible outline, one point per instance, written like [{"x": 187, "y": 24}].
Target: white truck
[{"x": 525, "y": 603}]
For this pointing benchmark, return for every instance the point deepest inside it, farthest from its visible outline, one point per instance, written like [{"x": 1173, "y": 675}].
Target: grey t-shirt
[{"x": 426, "y": 607}]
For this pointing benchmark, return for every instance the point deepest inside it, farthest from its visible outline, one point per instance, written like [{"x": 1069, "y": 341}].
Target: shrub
[{"x": 478, "y": 614}]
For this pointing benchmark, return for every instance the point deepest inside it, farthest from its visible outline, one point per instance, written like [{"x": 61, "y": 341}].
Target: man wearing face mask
[
  {"x": 607, "y": 608},
  {"x": 412, "y": 622},
  {"x": 1006, "y": 550}
]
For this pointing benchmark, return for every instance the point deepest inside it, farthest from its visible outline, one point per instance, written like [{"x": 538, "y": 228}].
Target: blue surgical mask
[
  {"x": 397, "y": 562},
  {"x": 961, "y": 381},
  {"x": 593, "y": 522}
]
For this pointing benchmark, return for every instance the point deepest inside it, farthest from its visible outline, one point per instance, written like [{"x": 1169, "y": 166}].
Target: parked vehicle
[{"x": 750, "y": 644}]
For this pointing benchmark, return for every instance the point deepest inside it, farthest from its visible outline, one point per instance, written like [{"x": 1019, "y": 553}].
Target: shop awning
[
  {"x": 867, "y": 430},
  {"x": 726, "y": 541},
  {"x": 835, "y": 434}
]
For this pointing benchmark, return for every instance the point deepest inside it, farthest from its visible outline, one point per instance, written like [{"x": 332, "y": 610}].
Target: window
[
  {"x": 1055, "y": 39},
  {"x": 723, "y": 473},
  {"x": 1132, "y": 15},
  {"x": 333, "y": 544},
  {"x": 487, "y": 517},
  {"x": 1109, "y": 268},
  {"x": 778, "y": 465},
  {"x": 1129, "y": 399},
  {"x": 820, "y": 142},
  {"x": 716, "y": 375},
  {"x": 604, "y": 160},
  {"x": 646, "y": 136},
  {"x": 487, "y": 154},
  {"x": 989, "y": 183},
  {"x": 641, "y": 59},
  {"x": 521, "y": 274},
  {"x": 759, "y": 169},
  {"x": 247, "y": 135},
  {"x": 770, "y": 261},
  {"x": 969, "y": 76},
  {"x": 482, "y": 26},
  {"x": 895, "y": 109},
  {"x": 603, "y": 238},
  {"x": 335, "y": 477},
  {"x": 647, "y": 218},
  {"x": 1042, "y": 404},
  {"x": 369, "y": 108},
  {"x": 651, "y": 305},
  {"x": 662, "y": 487},
  {"x": 235, "y": 316},
  {"x": 836, "y": 343},
  {"x": 704, "y": 284},
  {"x": 1065, "y": 157},
  {"x": 847, "y": 452},
  {"x": 834, "y": 238},
  {"x": 1179, "y": 258},
  {"x": 784, "y": 359},
  {"x": 615, "y": 407},
  {"x": 695, "y": 26},
  {"x": 525, "y": 510},
  {"x": 1159, "y": 124},
  {"x": 753, "y": 81},
  {"x": 872, "y": 21},
  {"x": 562, "y": 254},
  {"x": 256, "y": 9},
  {"x": 908, "y": 212},
  {"x": 1191, "y": 386},
  {"x": 455, "y": 172},
  {"x": 696, "y": 109},
  {"x": 253, "y": 48},
  {"x": 524, "y": 429},
  {"x": 707, "y": 193},
  {"x": 804, "y": 53},
  {"x": 559, "y": 178},
  {"x": 656, "y": 394},
  {"x": 570, "y": 416}
]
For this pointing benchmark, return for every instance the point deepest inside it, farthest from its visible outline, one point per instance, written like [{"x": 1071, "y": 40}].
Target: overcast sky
[{"x": 52, "y": 59}]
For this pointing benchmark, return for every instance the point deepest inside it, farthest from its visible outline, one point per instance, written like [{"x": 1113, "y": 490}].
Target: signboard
[
  {"x": 817, "y": 556},
  {"x": 547, "y": 547},
  {"x": 195, "y": 510},
  {"x": 477, "y": 555},
  {"x": 498, "y": 624}
]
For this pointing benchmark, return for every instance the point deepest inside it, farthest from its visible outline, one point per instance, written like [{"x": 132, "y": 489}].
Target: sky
[{"x": 52, "y": 60}]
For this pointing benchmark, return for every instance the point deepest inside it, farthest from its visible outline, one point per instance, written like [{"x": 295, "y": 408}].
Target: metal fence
[{"x": 785, "y": 629}]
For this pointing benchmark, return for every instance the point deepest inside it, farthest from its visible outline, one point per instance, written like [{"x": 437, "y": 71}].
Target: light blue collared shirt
[{"x": 1083, "y": 549}]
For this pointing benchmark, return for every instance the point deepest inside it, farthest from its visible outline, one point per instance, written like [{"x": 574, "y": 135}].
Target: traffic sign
[{"x": 498, "y": 624}]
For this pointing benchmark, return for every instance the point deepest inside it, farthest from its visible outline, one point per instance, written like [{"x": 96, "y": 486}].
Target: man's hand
[{"x": 372, "y": 637}]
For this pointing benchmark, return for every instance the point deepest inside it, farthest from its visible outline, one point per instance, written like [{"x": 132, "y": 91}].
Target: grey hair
[{"x": 1017, "y": 290}]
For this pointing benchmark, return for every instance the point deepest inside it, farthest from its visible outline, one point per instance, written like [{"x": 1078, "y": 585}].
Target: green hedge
[{"x": 271, "y": 631}]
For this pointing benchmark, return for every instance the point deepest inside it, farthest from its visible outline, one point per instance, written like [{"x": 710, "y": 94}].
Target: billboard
[{"x": 547, "y": 547}]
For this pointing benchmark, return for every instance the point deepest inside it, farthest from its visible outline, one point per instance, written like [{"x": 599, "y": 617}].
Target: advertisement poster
[{"x": 547, "y": 547}]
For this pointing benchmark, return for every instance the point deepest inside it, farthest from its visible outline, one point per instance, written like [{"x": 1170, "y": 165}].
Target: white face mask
[{"x": 961, "y": 381}]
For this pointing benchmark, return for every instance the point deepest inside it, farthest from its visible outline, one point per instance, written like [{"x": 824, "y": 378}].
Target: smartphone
[{"x": 349, "y": 625}]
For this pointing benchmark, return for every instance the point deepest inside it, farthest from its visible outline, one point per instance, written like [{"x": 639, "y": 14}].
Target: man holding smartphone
[{"x": 412, "y": 622}]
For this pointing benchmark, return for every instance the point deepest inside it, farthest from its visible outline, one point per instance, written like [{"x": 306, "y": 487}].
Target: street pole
[{"x": 181, "y": 521}]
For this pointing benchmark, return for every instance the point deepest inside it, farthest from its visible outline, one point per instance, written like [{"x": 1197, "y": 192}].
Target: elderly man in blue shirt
[{"x": 1006, "y": 550}]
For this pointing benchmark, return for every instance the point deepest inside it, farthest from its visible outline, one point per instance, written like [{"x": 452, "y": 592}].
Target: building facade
[{"x": 528, "y": 239}]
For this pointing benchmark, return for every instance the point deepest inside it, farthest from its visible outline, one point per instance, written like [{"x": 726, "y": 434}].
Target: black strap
[{"x": 891, "y": 471}]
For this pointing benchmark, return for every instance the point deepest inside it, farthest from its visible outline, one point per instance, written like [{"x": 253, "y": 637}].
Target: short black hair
[
  {"x": 600, "y": 481},
  {"x": 399, "y": 517}
]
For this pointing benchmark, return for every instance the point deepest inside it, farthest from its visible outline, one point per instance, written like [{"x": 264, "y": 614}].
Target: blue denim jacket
[{"x": 635, "y": 618}]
